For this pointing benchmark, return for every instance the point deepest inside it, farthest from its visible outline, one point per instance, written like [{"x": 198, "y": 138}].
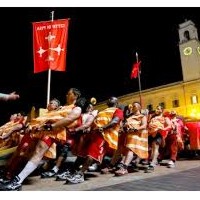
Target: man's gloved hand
[
  {"x": 101, "y": 129},
  {"x": 47, "y": 127},
  {"x": 133, "y": 129}
]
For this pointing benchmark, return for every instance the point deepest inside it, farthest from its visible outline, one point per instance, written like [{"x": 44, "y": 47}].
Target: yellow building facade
[{"x": 182, "y": 96}]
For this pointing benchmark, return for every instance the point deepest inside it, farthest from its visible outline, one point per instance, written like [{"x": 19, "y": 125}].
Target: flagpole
[
  {"x": 49, "y": 71},
  {"x": 139, "y": 82}
]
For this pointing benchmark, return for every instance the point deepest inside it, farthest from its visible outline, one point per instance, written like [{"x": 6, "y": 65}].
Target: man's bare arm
[
  {"x": 11, "y": 96},
  {"x": 75, "y": 114}
]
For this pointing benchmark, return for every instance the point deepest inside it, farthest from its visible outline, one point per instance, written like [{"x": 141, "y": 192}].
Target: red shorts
[{"x": 96, "y": 147}]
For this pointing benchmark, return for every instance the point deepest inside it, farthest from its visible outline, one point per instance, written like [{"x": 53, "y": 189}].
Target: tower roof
[{"x": 186, "y": 24}]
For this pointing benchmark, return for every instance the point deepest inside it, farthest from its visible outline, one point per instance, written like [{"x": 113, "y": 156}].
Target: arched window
[
  {"x": 175, "y": 103},
  {"x": 187, "y": 35},
  {"x": 194, "y": 99}
]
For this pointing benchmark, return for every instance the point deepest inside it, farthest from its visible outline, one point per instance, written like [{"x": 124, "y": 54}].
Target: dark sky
[{"x": 101, "y": 49}]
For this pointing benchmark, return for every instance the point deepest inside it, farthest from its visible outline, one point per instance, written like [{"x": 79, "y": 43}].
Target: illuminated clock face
[
  {"x": 198, "y": 50},
  {"x": 187, "y": 51}
]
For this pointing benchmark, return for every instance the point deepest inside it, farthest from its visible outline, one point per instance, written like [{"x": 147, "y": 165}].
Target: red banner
[
  {"x": 135, "y": 70},
  {"x": 50, "y": 45}
]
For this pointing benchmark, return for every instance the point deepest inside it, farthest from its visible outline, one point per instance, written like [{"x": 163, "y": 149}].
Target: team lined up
[{"x": 123, "y": 133}]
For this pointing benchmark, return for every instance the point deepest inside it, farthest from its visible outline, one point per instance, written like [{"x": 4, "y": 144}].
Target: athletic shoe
[
  {"x": 13, "y": 185},
  {"x": 78, "y": 177}
]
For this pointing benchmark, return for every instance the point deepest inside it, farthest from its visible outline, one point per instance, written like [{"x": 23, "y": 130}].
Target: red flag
[
  {"x": 50, "y": 45},
  {"x": 135, "y": 70}
]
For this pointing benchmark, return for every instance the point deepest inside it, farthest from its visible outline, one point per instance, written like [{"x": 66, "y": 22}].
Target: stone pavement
[{"x": 184, "y": 177}]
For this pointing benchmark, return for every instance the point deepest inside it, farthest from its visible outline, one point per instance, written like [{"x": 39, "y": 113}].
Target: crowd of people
[{"x": 128, "y": 134}]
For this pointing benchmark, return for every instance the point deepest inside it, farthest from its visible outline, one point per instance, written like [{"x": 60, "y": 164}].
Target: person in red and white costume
[{"x": 158, "y": 128}]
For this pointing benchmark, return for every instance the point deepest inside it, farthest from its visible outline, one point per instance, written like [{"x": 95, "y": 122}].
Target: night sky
[{"x": 102, "y": 43}]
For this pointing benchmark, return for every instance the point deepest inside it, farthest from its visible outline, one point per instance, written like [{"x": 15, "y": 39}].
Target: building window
[
  {"x": 175, "y": 103},
  {"x": 194, "y": 99},
  {"x": 150, "y": 107},
  {"x": 187, "y": 35},
  {"x": 162, "y": 104}
]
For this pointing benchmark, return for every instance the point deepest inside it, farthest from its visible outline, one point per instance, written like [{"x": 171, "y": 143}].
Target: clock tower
[{"x": 189, "y": 46}]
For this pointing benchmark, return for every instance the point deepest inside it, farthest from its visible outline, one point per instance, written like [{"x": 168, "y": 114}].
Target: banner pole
[
  {"x": 139, "y": 82},
  {"x": 49, "y": 71}
]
